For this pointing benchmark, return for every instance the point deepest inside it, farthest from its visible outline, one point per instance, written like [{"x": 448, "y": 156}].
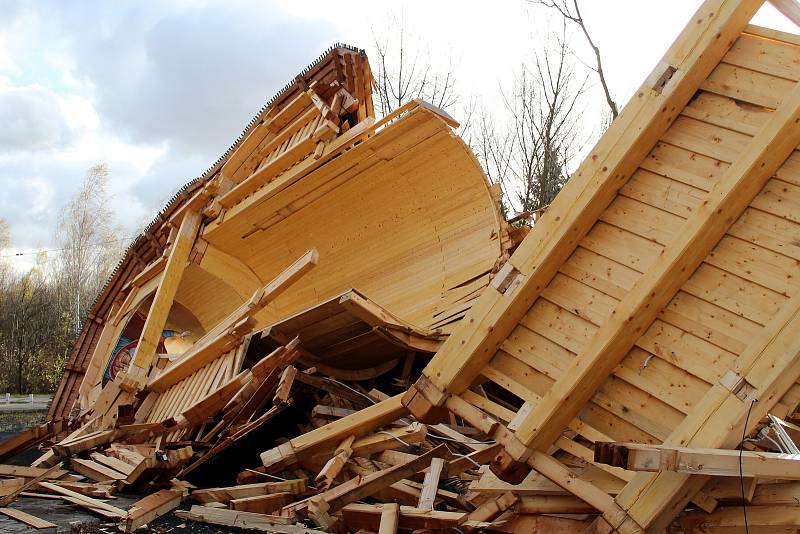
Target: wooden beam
[
  {"x": 154, "y": 505},
  {"x": 492, "y": 508},
  {"x": 226, "y": 494},
  {"x": 233, "y": 518},
  {"x": 493, "y": 316},
  {"x": 357, "y": 488},
  {"x": 334, "y": 466},
  {"x": 760, "y": 519},
  {"x": 789, "y": 9},
  {"x": 614, "y": 515},
  {"x": 359, "y": 423},
  {"x": 736, "y": 188},
  {"x": 715, "y": 462},
  {"x": 165, "y": 294}
]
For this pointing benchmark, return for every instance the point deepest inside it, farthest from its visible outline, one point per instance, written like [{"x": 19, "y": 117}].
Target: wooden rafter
[
  {"x": 165, "y": 294},
  {"x": 631, "y": 136}
]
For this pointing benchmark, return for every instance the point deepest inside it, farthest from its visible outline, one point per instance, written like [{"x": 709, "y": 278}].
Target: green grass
[{"x": 19, "y": 421}]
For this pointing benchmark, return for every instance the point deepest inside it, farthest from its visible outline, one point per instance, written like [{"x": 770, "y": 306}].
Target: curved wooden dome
[{"x": 406, "y": 217}]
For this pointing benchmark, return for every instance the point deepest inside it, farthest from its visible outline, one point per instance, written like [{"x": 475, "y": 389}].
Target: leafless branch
[{"x": 572, "y": 13}]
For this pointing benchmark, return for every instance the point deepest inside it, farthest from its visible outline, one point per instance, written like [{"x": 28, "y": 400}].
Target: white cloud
[
  {"x": 32, "y": 119},
  {"x": 39, "y": 193}
]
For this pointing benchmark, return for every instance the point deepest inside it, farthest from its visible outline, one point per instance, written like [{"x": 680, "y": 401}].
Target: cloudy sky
[{"x": 159, "y": 90}]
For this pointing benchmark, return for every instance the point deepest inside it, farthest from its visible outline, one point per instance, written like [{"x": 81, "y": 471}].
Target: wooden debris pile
[{"x": 632, "y": 365}]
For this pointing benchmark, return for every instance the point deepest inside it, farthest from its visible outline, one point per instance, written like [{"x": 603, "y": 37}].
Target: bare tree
[
  {"x": 404, "y": 71},
  {"x": 570, "y": 11},
  {"x": 89, "y": 245},
  {"x": 6, "y": 269},
  {"x": 530, "y": 157}
]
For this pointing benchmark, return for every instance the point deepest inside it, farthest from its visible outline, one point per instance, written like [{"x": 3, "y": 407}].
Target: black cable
[{"x": 741, "y": 476}]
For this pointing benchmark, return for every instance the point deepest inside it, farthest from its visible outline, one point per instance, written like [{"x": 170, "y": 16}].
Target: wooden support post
[
  {"x": 165, "y": 295},
  {"x": 493, "y": 316}
]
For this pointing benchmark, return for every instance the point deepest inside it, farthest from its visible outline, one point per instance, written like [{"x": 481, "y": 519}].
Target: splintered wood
[{"x": 424, "y": 366}]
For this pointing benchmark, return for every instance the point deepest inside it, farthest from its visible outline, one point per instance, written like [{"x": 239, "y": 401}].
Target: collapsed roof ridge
[{"x": 159, "y": 218}]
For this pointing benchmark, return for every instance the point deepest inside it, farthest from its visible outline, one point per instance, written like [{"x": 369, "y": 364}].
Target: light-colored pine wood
[
  {"x": 162, "y": 302},
  {"x": 701, "y": 232}
]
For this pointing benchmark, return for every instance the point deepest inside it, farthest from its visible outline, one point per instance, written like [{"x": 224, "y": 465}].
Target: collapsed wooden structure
[{"x": 631, "y": 365}]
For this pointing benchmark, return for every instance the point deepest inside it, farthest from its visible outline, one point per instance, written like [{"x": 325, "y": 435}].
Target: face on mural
[{"x": 121, "y": 361}]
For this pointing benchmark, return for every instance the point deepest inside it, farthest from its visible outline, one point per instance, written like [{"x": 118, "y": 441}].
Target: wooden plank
[
  {"x": 715, "y": 462},
  {"x": 87, "y": 502},
  {"x": 11, "y": 496},
  {"x": 263, "y": 504},
  {"x": 247, "y": 520},
  {"x": 788, "y": 8},
  {"x": 7, "y": 470},
  {"x": 114, "y": 463},
  {"x": 226, "y": 494},
  {"x": 96, "y": 471},
  {"x": 30, "y": 520}
]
